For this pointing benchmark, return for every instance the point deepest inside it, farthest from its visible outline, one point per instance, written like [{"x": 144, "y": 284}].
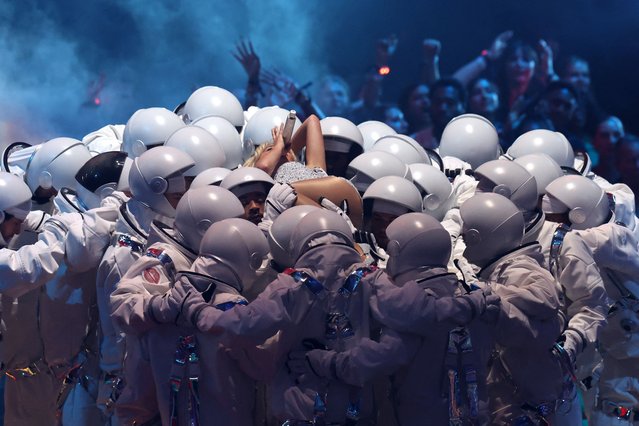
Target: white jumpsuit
[
  {"x": 299, "y": 312},
  {"x": 226, "y": 391},
  {"x": 525, "y": 379},
  {"x": 53, "y": 328},
  {"x": 150, "y": 275},
  {"x": 420, "y": 361},
  {"x": 127, "y": 245},
  {"x": 614, "y": 249}
]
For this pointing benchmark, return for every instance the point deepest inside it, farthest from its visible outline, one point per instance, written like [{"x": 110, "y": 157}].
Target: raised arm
[
  {"x": 371, "y": 91},
  {"x": 272, "y": 154},
  {"x": 430, "y": 60},
  {"x": 474, "y": 68},
  {"x": 246, "y": 56},
  {"x": 287, "y": 90},
  {"x": 546, "y": 63},
  {"x": 309, "y": 135}
]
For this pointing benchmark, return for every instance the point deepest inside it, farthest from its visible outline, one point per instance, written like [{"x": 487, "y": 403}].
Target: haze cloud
[{"x": 142, "y": 53}]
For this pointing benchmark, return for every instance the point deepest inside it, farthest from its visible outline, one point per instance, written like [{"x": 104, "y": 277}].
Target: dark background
[{"x": 154, "y": 53}]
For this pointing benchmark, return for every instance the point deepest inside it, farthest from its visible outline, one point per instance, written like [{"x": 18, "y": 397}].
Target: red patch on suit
[
  {"x": 154, "y": 252},
  {"x": 151, "y": 275}
]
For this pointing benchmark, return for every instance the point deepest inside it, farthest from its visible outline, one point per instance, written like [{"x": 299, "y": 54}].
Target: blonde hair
[{"x": 252, "y": 160}]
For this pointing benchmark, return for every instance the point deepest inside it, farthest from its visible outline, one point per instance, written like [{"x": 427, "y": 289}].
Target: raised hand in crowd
[
  {"x": 546, "y": 66},
  {"x": 385, "y": 48},
  {"x": 283, "y": 89},
  {"x": 246, "y": 56},
  {"x": 472, "y": 70},
  {"x": 499, "y": 45},
  {"x": 431, "y": 48}
]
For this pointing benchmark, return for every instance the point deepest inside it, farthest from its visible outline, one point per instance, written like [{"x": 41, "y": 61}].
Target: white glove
[
  {"x": 183, "y": 300},
  {"x": 281, "y": 197},
  {"x": 34, "y": 221},
  {"x": 464, "y": 187},
  {"x": 465, "y": 269},
  {"x": 329, "y": 205},
  {"x": 453, "y": 166}
]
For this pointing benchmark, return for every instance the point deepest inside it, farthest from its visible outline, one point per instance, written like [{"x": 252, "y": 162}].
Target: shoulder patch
[
  {"x": 231, "y": 304},
  {"x": 160, "y": 254},
  {"x": 309, "y": 282},
  {"x": 124, "y": 240},
  {"x": 154, "y": 252}
]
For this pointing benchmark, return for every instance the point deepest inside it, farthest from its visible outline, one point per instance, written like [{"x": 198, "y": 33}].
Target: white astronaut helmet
[
  {"x": 553, "y": 144},
  {"x": 199, "y": 208},
  {"x": 373, "y": 130},
  {"x": 542, "y": 167},
  {"x": 342, "y": 135},
  {"x": 55, "y": 163},
  {"x": 16, "y": 157},
  {"x": 471, "y": 138},
  {"x": 239, "y": 245},
  {"x": 586, "y": 204},
  {"x": 212, "y": 176},
  {"x": 435, "y": 188},
  {"x": 492, "y": 227},
  {"x": 158, "y": 172},
  {"x": 279, "y": 235},
  {"x": 342, "y": 143},
  {"x": 148, "y": 128},
  {"x": 15, "y": 197},
  {"x": 179, "y": 109},
  {"x": 123, "y": 184},
  {"x": 507, "y": 178},
  {"x": 317, "y": 228},
  {"x": 258, "y": 127},
  {"x": 99, "y": 177},
  {"x": 227, "y": 135},
  {"x": 247, "y": 179},
  {"x": 416, "y": 240},
  {"x": 403, "y": 147},
  {"x": 393, "y": 195},
  {"x": 582, "y": 163},
  {"x": 435, "y": 159},
  {"x": 202, "y": 146},
  {"x": 370, "y": 166},
  {"x": 213, "y": 100}
]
